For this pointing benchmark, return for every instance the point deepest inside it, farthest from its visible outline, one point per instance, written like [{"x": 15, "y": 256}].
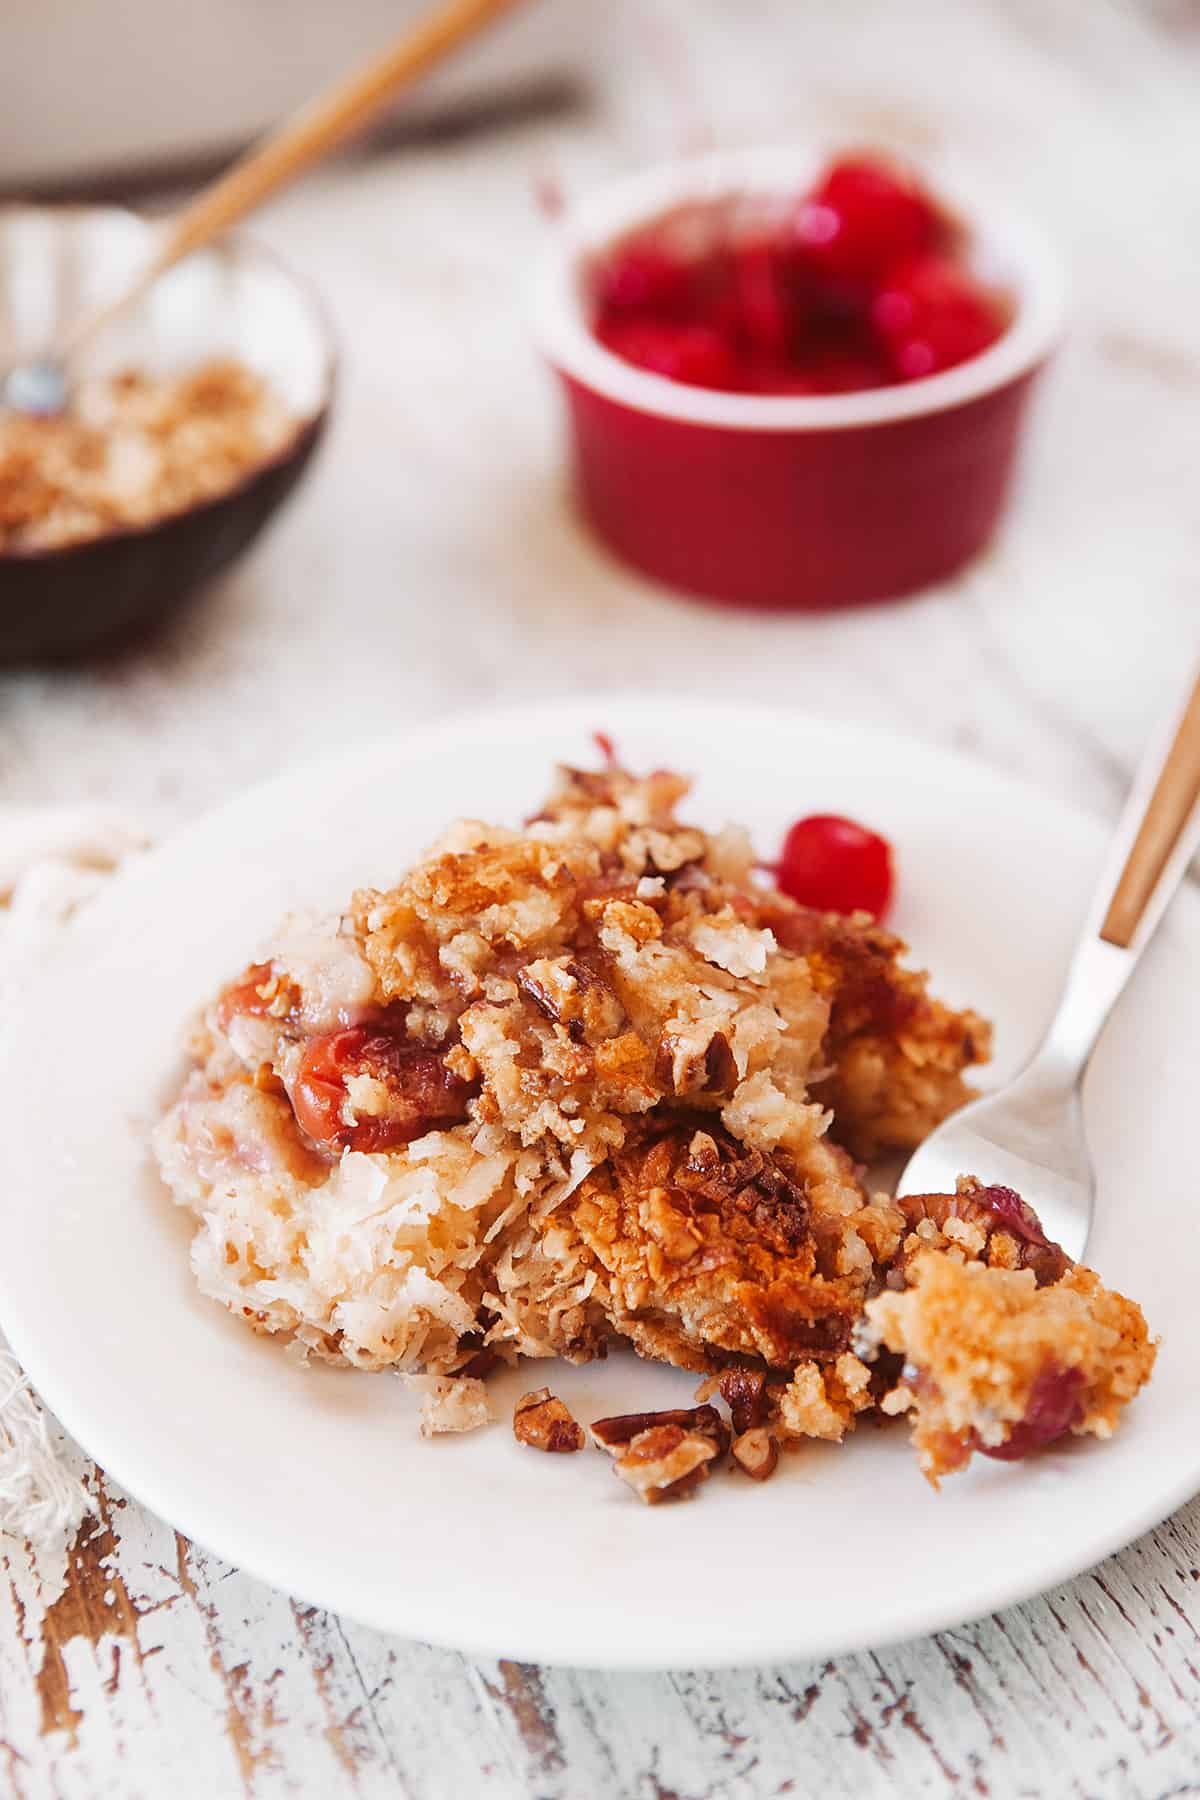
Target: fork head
[{"x": 1029, "y": 1137}]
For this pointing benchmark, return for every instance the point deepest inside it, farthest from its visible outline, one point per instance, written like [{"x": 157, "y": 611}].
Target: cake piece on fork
[{"x": 1007, "y": 1345}]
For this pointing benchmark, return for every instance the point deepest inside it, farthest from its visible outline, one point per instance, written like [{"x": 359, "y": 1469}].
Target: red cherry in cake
[
  {"x": 245, "y": 996},
  {"x": 1054, "y": 1405},
  {"x": 1014, "y": 1215},
  {"x": 836, "y": 865},
  {"x": 414, "y": 1089}
]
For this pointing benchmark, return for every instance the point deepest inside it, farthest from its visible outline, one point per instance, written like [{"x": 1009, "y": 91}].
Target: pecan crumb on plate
[
  {"x": 664, "y": 1455},
  {"x": 665, "y": 1463},
  {"x": 612, "y": 1434},
  {"x": 756, "y": 1453},
  {"x": 544, "y": 1422}
]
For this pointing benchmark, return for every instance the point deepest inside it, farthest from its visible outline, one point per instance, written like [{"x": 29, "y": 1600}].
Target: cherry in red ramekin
[{"x": 794, "y": 500}]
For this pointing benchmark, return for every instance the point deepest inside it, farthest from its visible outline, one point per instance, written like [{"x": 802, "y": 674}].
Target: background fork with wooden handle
[{"x": 1030, "y": 1135}]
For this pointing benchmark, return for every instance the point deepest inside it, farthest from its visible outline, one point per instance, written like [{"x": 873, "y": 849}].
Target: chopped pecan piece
[
  {"x": 744, "y": 1392},
  {"x": 670, "y": 1229},
  {"x": 666, "y": 1462},
  {"x": 554, "y": 989},
  {"x": 756, "y": 1452},
  {"x": 705, "y": 1421},
  {"x": 696, "y": 1067},
  {"x": 544, "y": 1422},
  {"x": 720, "y": 1067},
  {"x": 1010, "y": 1232}
]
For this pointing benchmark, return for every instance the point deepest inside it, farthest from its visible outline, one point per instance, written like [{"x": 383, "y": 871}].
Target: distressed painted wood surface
[
  {"x": 136, "y": 1664},
  {"x": 423, "y": 570}
]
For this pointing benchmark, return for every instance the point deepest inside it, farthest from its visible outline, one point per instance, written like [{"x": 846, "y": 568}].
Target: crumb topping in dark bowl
[{"x": 191, "y": 423}]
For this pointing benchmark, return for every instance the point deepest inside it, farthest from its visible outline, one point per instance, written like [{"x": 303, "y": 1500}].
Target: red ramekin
[{"x": 792, "y": 503}]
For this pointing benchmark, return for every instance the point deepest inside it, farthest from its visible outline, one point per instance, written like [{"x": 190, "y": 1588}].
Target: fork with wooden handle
[
  {"x": 1030, "y": 1135},
  {"x": 41, "y": 385}
]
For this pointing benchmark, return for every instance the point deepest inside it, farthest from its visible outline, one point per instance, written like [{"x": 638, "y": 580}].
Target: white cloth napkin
[{"x": 52, "y": 859}]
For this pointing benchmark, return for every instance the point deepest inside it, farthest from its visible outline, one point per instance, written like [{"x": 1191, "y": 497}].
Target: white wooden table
[{"x": 432, "y": 564}]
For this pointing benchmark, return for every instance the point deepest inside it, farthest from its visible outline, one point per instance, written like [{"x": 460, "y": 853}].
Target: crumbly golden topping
[
  {"x": 552, "y": 1087},
  {"x": 133, "y": 448}
]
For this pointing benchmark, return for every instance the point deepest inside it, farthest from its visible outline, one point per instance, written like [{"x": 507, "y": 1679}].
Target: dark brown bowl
[{"x": 237, "y": 299}]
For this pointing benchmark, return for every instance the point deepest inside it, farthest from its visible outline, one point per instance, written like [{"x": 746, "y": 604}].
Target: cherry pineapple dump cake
[{"x": 591, "y": 1083}]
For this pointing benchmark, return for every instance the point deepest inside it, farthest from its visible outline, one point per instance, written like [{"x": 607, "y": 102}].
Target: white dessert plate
[{"x": 316, "y": 1479}]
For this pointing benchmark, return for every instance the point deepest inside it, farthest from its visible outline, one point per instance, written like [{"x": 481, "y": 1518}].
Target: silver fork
[{"x": 1030, "y": 1134}]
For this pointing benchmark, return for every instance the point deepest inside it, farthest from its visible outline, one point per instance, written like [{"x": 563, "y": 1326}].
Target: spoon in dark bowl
[{"x": 41, "y": 386}]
